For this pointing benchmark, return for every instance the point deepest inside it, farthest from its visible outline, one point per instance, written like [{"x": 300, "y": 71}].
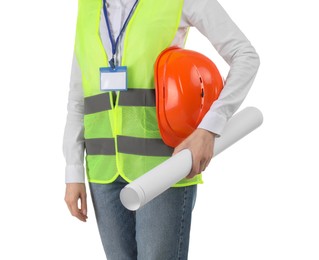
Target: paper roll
[{"x": 156, "y": 181}]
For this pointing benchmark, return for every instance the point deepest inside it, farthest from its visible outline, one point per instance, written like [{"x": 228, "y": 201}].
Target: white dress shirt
[{"x": 212, "y": 21}]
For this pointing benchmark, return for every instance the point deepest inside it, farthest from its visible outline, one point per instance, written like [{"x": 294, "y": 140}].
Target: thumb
[{"x": 179, "y": 148}]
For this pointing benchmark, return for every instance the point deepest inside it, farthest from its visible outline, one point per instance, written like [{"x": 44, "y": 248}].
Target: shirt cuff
[
  {"x": 74, "y": 174},
  {"x": 214, "y": 123}
]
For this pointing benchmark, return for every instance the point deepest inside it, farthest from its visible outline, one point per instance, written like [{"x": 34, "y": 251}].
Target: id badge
[{"x": 113, "y": 79}]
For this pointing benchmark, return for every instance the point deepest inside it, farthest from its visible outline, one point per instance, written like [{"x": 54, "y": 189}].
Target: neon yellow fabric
[{"x": 150, "y": 30}]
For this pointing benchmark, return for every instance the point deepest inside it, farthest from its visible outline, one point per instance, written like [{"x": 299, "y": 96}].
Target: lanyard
[{"x": 115, "y": 42}]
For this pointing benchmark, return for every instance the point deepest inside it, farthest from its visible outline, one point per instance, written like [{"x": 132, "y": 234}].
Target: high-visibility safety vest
[{"x": 122, "y": 137}]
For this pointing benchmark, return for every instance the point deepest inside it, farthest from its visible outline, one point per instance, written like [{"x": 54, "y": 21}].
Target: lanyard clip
[{"x": 112, "y": 64}]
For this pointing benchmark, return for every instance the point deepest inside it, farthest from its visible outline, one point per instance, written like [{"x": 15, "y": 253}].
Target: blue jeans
[{"x": 158, "y": 231}]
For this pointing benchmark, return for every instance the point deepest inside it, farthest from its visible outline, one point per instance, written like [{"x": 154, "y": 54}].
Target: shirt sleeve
[
  {"x": 209, "y": 17},
  {"x": 73, "y": 140}
]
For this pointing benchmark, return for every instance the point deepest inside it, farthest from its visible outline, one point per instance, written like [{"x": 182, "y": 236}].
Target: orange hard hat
[{"x": 187, "y": 83}]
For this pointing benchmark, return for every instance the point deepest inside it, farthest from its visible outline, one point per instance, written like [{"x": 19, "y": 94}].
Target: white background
[{"x": 260, "y": 197}]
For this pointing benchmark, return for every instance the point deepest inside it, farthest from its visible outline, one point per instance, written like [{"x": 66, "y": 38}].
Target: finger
[
  {"x": 195, "y": 170},
  {"x": 192, "y": 175},
  {"x": 207, "y": 163},
  {"x": 84, "y": 205},
  {"x": 203, "y": 166},
  {"x": 76, "y": 212},
  {"x": 177, "y": 150},
  {"x": 180, "y": 147}
]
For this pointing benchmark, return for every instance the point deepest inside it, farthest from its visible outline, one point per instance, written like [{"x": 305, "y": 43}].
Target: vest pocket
[
  {"x": 100, "y": 168},
  {"x": 139, "y": 122}
]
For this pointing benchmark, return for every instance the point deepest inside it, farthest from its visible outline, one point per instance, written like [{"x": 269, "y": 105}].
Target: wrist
[{"x": 206, "y": 132}]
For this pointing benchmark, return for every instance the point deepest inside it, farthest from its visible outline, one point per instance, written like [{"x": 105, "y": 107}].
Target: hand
[
  {"x": 201, "y": 144},
  {"x": 74, "y": 192}
]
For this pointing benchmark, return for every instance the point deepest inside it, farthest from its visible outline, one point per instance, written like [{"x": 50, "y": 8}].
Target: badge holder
[{"x": 113, "y": 79}]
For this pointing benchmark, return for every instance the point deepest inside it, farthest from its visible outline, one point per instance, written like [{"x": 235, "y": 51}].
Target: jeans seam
[{"x": 181, "y": 229}]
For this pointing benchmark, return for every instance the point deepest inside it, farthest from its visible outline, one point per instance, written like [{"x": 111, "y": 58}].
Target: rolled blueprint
[{"x": 159, "y": 179}]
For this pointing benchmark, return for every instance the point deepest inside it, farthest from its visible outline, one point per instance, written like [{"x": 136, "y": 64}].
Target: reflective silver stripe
[
  {"x": 143, "y": 146},
  {"x": 97, "y": 103},
  {"x": 137, "y": 97},
  {"x": 100, "y": 146}
]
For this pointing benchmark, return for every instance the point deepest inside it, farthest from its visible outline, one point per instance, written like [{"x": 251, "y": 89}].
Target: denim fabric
[{"x": 158, "y": 231}]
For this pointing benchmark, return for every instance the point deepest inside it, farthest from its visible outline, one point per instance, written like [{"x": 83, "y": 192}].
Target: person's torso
[{"x": 122, "y": 137}]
